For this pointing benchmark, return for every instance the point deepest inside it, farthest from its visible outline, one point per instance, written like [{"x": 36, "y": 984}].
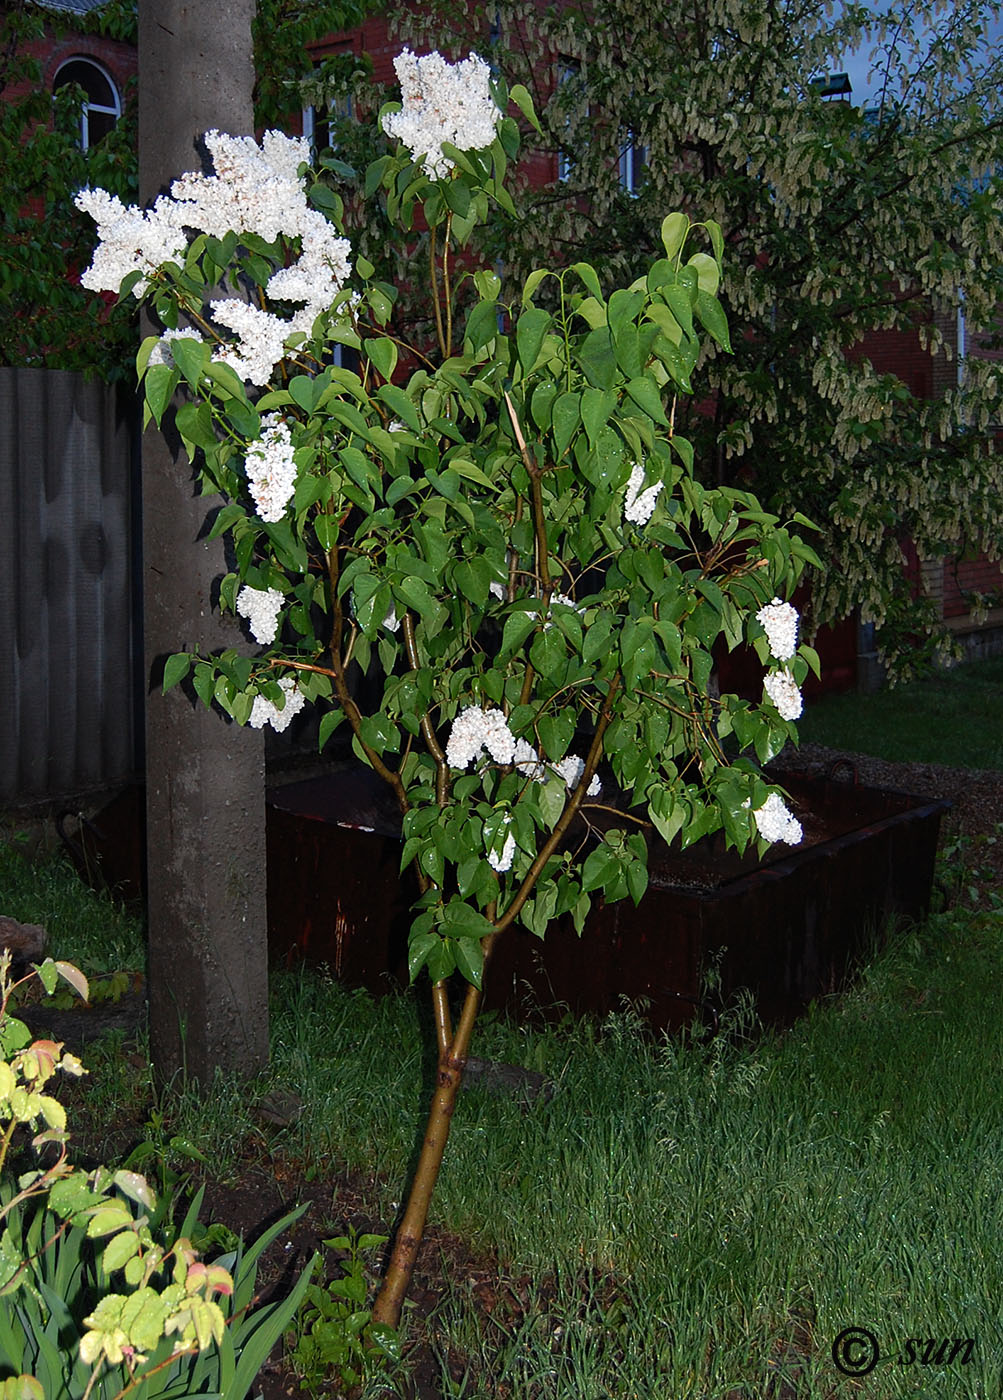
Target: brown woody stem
[{"x": 452, "y": 1061}]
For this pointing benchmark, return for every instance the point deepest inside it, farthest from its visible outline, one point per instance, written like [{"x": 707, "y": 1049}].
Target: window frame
[{"x": 88, "y": 106}]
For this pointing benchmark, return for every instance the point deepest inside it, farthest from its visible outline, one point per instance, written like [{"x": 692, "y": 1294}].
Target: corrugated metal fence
[{"x": 67, "y": 614}]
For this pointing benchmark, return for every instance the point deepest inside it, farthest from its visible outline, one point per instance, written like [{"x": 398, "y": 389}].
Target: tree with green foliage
[
  {"x": 48, "y": 318},
  {"x": 498, "y": 530},
  {"x": 843, "y": 221},
  {"x": 45, "y": 241}
]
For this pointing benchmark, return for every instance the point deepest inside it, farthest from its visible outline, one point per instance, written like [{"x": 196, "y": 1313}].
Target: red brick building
[{"x": 102, "y": 67}]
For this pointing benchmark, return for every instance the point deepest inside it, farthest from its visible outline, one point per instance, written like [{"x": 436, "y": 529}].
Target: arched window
[{"x": 101, "y": 106}]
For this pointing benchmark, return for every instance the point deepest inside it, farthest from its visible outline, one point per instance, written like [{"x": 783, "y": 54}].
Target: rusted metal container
[{"x": 788, "y": 928}]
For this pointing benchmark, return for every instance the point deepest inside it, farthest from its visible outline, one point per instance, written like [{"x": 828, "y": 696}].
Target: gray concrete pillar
[{"x": 208, "y": 974}]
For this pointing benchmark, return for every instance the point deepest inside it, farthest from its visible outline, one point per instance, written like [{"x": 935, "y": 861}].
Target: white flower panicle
[
  {"x": 130, "y": 239},
  {"x": 442, "y": 101},
  {"x": 264, "y": 712},
  {"x": 317, "y": 277},
  {"x": 475, "y": 729},
  {"x": 260, "y": 343},
  {"x": 639, "y": 504},
  {"x": 501, "y": 860},
  {"x": 527, "y": 761},
  {"x": 779, "y": 621},
  {"x": 776, "y": 822},
  {"x": 569, "y": 769},
  {"x": 271, "y": 470},
  {"x": 782, "y": 689},
  {"x": 256, "y": 189},
  {"x": 261, "y": 607}
]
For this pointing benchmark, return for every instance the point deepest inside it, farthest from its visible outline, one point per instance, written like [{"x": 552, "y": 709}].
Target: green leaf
[
  {"x": 305, "y": 391},
  {"x": 553, "y": 797},
  {"x": 518, "y": 626},
  {"x": 48, "y": 975},
  {"x": 113, "y": 1216},
  {"x": 532, "y": 282},
  {"x": 541, "y": 405},
  {"x": 420, "y": 950},
  {"x": 597, "y": 358},
  {"x": 119, "y": 1250},
  {"x": 675, "y": 227},
  {"x": 646, "y": 395},
  {"x": 707, "y": 271},
  {"x": 190, "y": 356},
  {"x": 598, "y": 637},
  {"x": 566, "y": 419},
  {"x": 482, "y": 324},
  {"x": 175, "y": 669},
  {"x": 158, "y": 388},
  {"x": 400, "y": 405},
  {"x": 530, "y": 330},
  {"x": 599, "y": 868},
  {"x": 470, "y": 960},
  {"x": 328, "y": 724},
  {"x": 711, "y": 316},
  {"x": 597, "y": 405},
  {"x": 522, "y": 99},
  {"x": 382, "y": 353},
  {"x": 14, "y": 1036},
  {"x": 194, "y": 423},
  {"x": 589, "y": 276}
]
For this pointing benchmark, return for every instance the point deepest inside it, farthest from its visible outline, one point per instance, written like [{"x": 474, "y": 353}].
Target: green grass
[
  {"x": 683, "y": 1219},
  {"x": 84, "y": 927},
  {"x": 952, "y": 717}
]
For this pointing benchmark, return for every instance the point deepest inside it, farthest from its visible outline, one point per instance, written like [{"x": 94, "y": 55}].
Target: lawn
[
  {"x": 682, "y": 1218},
  {"x": 951, "y": 717}
]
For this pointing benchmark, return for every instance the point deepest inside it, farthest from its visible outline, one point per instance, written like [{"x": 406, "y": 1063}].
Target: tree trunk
[{"x": 208, "y": 975}]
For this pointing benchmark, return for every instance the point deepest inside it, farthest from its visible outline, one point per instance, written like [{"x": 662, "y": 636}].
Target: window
[
  {"x": 633, "y": 160},
  {"x": 327, "y": 97},
  {"x": 101, "y": 107},
  {"x": 317, "y": 122}
]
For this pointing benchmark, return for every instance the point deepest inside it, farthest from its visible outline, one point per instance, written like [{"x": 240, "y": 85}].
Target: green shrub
[{"x": 103, "y": 1294}]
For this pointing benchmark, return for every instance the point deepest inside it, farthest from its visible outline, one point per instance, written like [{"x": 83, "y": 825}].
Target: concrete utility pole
[{"x": 204, "y": 775}]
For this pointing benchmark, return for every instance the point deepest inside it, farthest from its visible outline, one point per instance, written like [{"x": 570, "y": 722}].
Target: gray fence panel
[{"x": 66, "y": 610}]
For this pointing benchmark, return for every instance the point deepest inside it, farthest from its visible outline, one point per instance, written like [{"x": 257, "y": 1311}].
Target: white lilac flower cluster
[
  {"x": 475, "y": 730},
  {"x": 639, "y": 503},
  {"x": 782, "y": 689},
  {"x": 569, "y": 769},
  {"x": 776, "y": 822},
  {"x": 130, "y": 240},
  {"x": 501, "y": 860},
  {"x": 440, "y": 102},
  {"x": 256, "y": 189},
  {"x": 779, "y": 621},
  {"x": 271, "y": 469},
  {"x": 261, "y": 607},
  {"x": 264, "y": 712}
]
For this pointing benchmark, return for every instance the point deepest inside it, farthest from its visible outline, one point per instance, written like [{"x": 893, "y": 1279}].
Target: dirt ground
[{"x": 976, "y": 796}]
